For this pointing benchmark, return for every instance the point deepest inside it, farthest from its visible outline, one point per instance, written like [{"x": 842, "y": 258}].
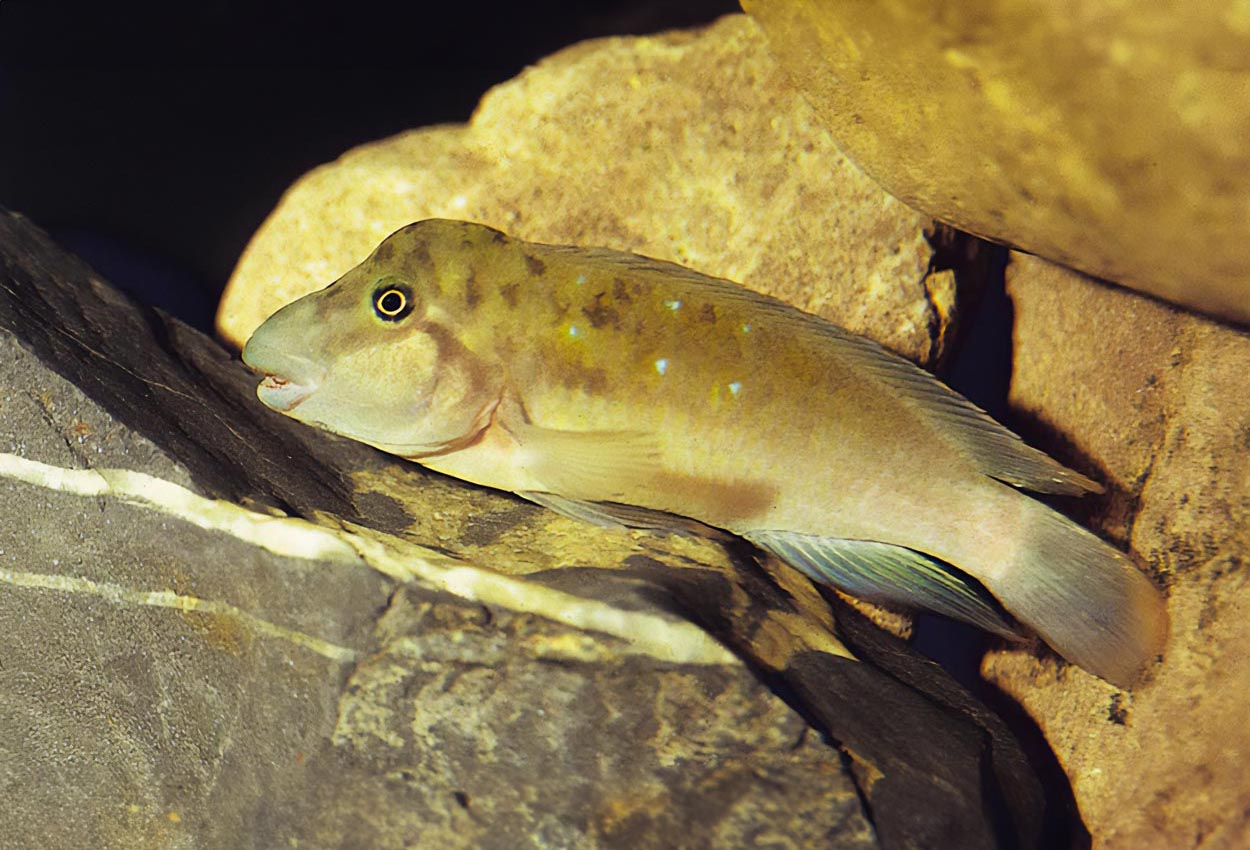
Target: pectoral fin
[
  {"x": 597, "y": 466},
  {"x": 882, "y": 572}
]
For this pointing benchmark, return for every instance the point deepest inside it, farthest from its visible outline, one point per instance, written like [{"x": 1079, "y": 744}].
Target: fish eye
[{"x": 392, "y": 301}]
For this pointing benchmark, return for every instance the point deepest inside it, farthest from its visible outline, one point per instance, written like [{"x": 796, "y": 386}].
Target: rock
[
  {"x": 141, "y": 701},
  {"x": 1153, "y": 402},
  {"x": 687, "y": 146},
  {"x": 1107, "y": 136},
  {"x": 334, "y": 663},
  {"x": 597, "y": 752}
]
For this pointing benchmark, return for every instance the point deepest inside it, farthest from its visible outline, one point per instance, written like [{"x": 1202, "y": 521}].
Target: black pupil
[{"x": 391, "y": 302}]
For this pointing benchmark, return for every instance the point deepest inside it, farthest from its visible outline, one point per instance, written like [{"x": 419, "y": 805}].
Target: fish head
[{"x": 372, "y": 357}]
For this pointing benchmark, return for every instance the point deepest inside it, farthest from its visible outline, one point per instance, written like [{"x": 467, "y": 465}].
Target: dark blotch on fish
[
  {"x": 472, "y": 291},
  {"x": 601, "y": 314},
  {"x": 385, "y": 252}
]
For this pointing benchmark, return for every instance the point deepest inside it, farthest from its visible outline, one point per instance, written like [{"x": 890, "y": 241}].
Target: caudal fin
[{"x": 1085, "y": 598}]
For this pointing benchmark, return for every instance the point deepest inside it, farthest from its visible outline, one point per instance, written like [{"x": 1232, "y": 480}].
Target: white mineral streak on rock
[
  {"x": 181, "y": 602},
  {"x": 645, "y": 633}
]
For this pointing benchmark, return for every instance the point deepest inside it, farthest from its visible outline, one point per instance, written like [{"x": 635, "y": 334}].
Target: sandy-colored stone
[
  {"x": 689, "y": 146},
  {"x": 1154, "y": 401},
  {"x": 1106, "y": 135}
]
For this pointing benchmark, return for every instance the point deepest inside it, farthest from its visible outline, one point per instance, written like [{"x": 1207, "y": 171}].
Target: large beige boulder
[
  {"x": 687, "y": 146},
  {"x": 1110, "y": 136},
  {"x": 1155, "y": 399}
]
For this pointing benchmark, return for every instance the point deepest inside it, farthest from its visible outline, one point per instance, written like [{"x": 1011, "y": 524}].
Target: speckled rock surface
[
  {"x": 1108, "y": 136},
  {"x": 527, "y": 750},
  {"x": 687, "y": 146},
  {"x": 1154, "y": 402}
]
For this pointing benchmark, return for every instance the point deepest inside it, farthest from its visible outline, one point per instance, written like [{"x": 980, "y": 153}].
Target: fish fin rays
[
  {"x": 617, "y": 515},
  {"x": 629, "y": 263},
  {"x": 574, "y": 509},
  {"x": 883, "y": 572},
  {"x": 995, "y": 450},
  {"x": 1084, "y": 597},
  {"x": 579, "y": 464}
]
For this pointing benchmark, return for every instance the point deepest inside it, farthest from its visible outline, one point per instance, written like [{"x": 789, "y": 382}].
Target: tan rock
[
  {"x": 1155, "y": 401},
  {"x": 1109, "y": 136},
  {"x": 687, "y": 146}
]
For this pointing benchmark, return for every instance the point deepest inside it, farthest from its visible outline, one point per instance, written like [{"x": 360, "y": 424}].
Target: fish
[{"x": 624, "y": 390}]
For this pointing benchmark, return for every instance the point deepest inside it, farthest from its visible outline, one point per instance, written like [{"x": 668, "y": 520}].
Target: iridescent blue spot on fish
[
  {"x": 735, "y": 387},
  {"x": 581, "y": 279},
  {"x": 574, "y": 331},
  {"x": 746, "y": 328},
  {"x": 661, "y": 365},
  {"x": 673, "y": 305}
]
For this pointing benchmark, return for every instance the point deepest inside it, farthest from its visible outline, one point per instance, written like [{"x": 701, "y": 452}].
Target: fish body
[{"x": 598, "y": 383}]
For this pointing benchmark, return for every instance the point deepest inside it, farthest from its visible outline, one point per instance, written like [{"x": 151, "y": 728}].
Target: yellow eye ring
[{"x": 392, "y": 302}]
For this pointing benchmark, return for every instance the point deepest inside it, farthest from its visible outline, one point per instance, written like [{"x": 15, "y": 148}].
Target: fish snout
[
  {"x": 289, "y": 379},
  {"x": 282, "y": 393}
]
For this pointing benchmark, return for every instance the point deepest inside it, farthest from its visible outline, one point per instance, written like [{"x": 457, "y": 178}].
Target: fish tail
[{"x": 1085, "y": 598}]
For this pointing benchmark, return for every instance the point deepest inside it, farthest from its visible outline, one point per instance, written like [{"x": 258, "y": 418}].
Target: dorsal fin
[{"x": 995, "y": 450}]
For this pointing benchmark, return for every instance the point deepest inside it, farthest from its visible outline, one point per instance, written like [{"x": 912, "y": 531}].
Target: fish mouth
[
  {"x": 282, "y": 393},
  {"x": 289, "y": 379}
]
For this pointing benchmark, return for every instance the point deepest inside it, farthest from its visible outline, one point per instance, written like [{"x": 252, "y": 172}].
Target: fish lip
[
  {"x": 288, "y": 379},
  {"x": 283, "y": 393}
]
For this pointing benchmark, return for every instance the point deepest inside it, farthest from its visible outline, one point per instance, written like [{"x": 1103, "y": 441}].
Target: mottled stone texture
[
  {"x": 1106, "y": 135},
  {"x": 689, "y": 147},
  {"x": 124, "y": 724},
  {"x": 1155, "y": 403},
  {"x": 467, "y": 737}
]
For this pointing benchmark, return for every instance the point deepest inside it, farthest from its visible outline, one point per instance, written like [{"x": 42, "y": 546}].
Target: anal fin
[{"x": 883, "y": 572}]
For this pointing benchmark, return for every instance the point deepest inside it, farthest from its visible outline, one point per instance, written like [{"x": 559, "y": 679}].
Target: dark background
[{"x": 152, "y": 138}]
